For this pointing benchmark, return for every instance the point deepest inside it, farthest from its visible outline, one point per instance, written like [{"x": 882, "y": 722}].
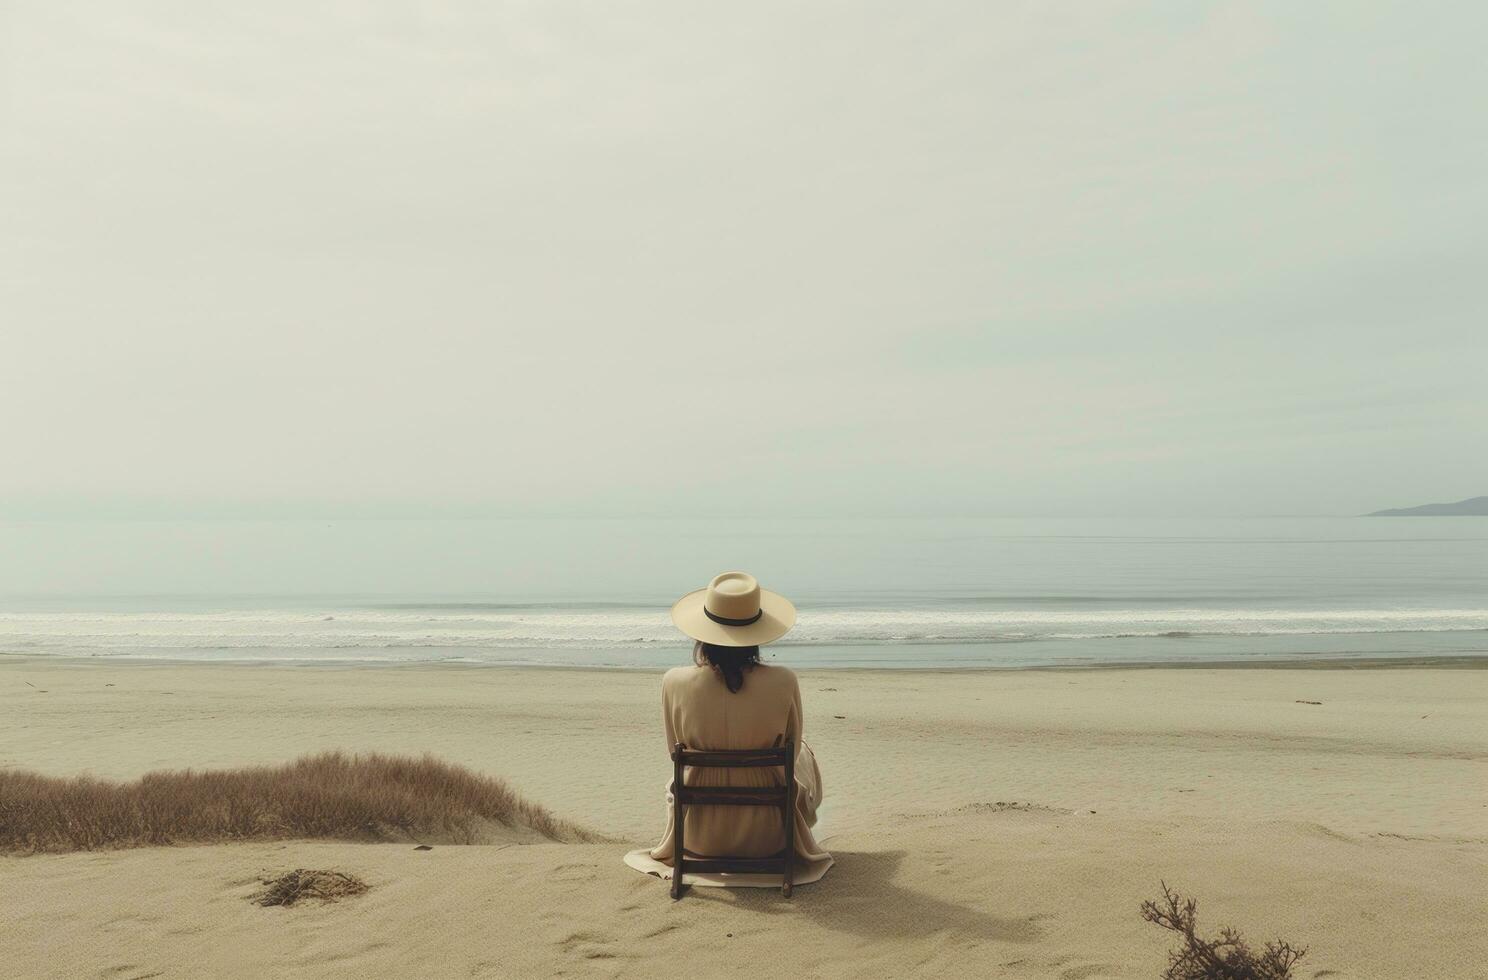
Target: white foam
[{"x": 334, "y": 629}]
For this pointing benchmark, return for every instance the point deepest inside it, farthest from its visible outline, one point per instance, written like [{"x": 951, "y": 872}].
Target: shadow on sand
[{"x": 859, "y": 896}]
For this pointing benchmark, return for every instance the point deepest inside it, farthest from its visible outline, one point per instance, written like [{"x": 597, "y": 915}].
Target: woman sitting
[{"x": 730, "y": 700}]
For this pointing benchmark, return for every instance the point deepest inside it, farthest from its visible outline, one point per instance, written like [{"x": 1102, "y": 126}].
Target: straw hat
[{"x": 733, "y": 611}]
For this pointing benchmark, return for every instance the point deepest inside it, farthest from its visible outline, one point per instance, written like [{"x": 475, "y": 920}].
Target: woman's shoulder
[
  {"x": 776, "y": 673},
  {"x": 682, "y": 675}
]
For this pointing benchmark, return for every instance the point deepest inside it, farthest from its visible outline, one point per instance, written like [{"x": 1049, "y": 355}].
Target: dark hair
[{"x": 731, "y": 662}]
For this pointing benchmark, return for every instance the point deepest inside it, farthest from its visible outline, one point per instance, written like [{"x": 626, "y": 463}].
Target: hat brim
[{"x": 777, "y": 616}]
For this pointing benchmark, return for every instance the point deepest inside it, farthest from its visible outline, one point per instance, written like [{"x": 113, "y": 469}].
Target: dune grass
[{"x": 367, "y": 797}]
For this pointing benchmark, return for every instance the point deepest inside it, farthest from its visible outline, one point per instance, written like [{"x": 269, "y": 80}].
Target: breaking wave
[{"x": 621, "y": 627}]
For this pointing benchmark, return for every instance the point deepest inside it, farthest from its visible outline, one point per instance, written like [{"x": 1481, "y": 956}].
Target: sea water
[{"x": 890, "y": 593}]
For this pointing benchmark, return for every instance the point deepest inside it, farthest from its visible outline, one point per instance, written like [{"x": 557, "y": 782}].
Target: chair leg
[
  {"x": 677, "y": 859},
  {"x": 679, "y": 815},
  {"x": 788, "y": 812}
]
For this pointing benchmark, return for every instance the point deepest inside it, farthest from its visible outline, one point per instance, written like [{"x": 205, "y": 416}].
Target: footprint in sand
[
  {"x": 1090, "y": 971},
  {"x": 573, "y": 872},
  {"x": 590, "y": 945}
]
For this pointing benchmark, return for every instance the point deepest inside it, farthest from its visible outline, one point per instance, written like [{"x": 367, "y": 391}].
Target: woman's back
[{"x": 702, "y": 713}]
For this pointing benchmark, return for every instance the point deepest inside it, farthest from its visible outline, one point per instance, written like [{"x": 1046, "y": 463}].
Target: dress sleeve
[
  {"x": 666, "y": 717},
  {"x": 795, "y": 725}
]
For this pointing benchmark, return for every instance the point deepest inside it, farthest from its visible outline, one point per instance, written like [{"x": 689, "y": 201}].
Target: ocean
[{"x": 870, "y": 593}]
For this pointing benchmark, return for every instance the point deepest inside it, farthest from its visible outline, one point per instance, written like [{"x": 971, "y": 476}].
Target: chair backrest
[{"x": 684, "y": 796}]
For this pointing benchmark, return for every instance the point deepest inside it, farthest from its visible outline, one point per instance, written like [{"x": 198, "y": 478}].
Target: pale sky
[{"x": 756, "y": 258}]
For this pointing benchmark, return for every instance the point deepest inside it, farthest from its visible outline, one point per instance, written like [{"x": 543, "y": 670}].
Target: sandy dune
[{"x": 960, "y": 811}]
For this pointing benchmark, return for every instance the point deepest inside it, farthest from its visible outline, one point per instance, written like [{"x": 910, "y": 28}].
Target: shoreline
[{"x": 1448, "y": 662}]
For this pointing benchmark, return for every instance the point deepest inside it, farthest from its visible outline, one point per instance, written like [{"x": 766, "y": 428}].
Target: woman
[{"x": 730, "y": 700}]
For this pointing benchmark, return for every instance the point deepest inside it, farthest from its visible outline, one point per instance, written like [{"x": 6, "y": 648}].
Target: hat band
[{"x": 725, "y": 621}]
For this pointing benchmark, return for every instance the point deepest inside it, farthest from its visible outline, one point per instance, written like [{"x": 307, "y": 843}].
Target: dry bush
[
  {"x": 304, "y": 883},
  {"x": 1225, "y": 958},
  {"x": 332, "y": 795}
]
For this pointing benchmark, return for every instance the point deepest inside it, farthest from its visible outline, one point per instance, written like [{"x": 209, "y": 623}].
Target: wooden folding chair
[{"x": 783, "y": 797}]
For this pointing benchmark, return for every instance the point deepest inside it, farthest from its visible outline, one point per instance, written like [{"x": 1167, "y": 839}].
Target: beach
[
  {"x": 985, "y": 823},
  {"x": 1079, "y": 402}
]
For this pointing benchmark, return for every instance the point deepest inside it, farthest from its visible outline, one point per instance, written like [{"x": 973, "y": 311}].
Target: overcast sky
[{"x": 794, "y": 258}]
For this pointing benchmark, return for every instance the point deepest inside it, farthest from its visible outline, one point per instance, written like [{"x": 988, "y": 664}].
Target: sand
[{"x": 1001, "y": 824}]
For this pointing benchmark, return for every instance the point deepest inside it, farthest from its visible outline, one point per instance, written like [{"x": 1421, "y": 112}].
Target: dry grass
[
  {"x": 333, "y": 795},
  {"x": 1227, "y": 958},
  {"x": 305, "y": 883}
]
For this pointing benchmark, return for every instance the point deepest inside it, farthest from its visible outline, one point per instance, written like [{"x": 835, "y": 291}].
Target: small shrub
[
  {"x": 1225, "y": 958},
  {"x": 304, "y": 883}
]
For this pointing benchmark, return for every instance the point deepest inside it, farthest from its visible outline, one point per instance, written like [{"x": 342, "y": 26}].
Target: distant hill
[{"x": 1471, "y": 507}]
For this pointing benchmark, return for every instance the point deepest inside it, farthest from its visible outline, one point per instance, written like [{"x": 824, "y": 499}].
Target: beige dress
[{"x": 699, "y": 711}]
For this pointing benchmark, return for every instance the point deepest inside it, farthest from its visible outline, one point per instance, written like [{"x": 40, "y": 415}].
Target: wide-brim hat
[{"x": 733, "y": 611}]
